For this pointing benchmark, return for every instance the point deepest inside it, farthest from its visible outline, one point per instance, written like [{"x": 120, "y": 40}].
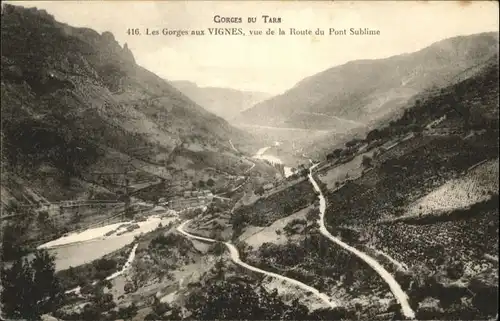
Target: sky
[{"x": 271, "y": 63}]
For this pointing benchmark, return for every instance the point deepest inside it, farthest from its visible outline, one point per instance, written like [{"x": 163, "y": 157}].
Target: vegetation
[
  {"x": 294, "y": 226},
  {"x": 30, "y": 288},
  {"x": 15, "y": 232},
  {"x": 157, "y": 254},
  {"x": 367, "y": 161},
  {"x": 260, "y": 190},
  {"x": 163, "y": 242},
  {"x": 269, "y": 209},
  {"x": 443, "y": 250},
  {"x": 314, "y": 261},
  {"x": 163, "y": 311},
  {"x": 99, "y": 306},
  {"x": 96, "y": 270},
  {"x": 53, "y": 146},
  {"x": 471, "y": 102},
  {"x": 66, "y": 116},
  {"x": 238, "y": 298}
]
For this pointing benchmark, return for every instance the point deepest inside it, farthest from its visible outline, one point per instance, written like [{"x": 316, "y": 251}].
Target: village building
[{"x": 191, "y": 199}]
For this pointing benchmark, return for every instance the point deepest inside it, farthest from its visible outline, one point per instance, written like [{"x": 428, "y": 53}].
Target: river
[
  {"x": 83, "y": 247},
  {"x": 272, "y": 159},
  {"x": 86, "y": 246}
]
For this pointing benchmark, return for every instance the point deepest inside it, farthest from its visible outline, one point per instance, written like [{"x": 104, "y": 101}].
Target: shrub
[
  {"x": 312, "y": 214},
  {"x": 164, "y": 241},
  {"x": 294, "y": 226},
  {"x": 259, "y": 191},
  {"x": 367, "y": 161},
  {"x": 43, "y": 216},
  {"x": 105, "y": 264}
]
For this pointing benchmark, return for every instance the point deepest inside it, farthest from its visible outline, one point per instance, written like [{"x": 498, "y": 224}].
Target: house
[
  {"x": 180, "y": 203},
  {"x": 208, "y": 194}
]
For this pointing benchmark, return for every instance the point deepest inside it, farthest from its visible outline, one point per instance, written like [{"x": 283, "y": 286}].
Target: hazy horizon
[{"x": 271, "y": 64}]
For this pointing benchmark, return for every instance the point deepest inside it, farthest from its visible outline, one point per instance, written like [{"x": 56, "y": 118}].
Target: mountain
[
  {"x": 224, "y": 102},
  {"x": 422, "y": 192},
  {"x": 360, "y": 92},
  {"x": 80, "y": 119},
  {"x": 419, "y": 196}
]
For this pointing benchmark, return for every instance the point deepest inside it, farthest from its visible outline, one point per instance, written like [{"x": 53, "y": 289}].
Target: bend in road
[
  {"x": 232, "y": 146},
  {"x": 249, "y": 169},
  {"x": 396, "y": 290},
  {"x": 235, "y": 256}
]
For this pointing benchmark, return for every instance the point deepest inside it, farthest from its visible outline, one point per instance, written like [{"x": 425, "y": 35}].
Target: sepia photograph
[{"x": 249, "y": 160}]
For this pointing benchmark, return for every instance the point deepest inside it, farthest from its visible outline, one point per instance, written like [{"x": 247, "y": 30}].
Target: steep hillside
[
  {"x": 224, "y": 102},
  {"x": 419, "y": 195},
  {"x": 482, "y": 73},
  {"x": 424, "y": 200},
  {"x": 82, "y": 121},
  {"x": 72, "y": 98},
  {"x": 363, "y": 91}
]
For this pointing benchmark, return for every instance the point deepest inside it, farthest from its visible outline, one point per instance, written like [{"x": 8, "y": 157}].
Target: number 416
[{"x": 133, "y": 32}]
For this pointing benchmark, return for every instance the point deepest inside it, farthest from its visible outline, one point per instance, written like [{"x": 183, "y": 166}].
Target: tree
[
  {"x": 210, "y": 182},
  {"x": 373, "y": 135},
  {"x": 455, "y": 270},
  {"x": 236, "y": 298},
  {"x": 287, "y": 209},
  {"x": 296, "y": 311},
  {"x": 337, "y": 152},
  {"x": 101, "y": 304},
  {"x": 338, "y": 313},
  {"x": 43, "y": 216},
  {"x": 224, "y": 300},
  {"x": 31, "y": 289},
  {"x": 367, "y": 161},
  {"x": 352, "y": 143},
  {"x": 128, "y": 312},
  {"x": 259, "y": 191},
  {"x": 129, "y": 213},
  {"x": 312, "y": 215},
  {"x": 11, "y": 248},
  {"x": 238, "y": 221},
  {"x": 163, "y": 311}
]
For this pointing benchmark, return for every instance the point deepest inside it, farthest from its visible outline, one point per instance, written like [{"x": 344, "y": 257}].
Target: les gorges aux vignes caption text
[{"x": 218, "y": 19}]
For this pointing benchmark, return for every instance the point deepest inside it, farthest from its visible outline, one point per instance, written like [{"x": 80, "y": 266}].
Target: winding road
[
  {"x": 235, "y": 256},
  {"x": 396, "y": 290}
]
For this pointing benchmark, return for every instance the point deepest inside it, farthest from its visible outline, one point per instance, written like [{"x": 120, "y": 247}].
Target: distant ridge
[
  {"x": 366, "y": 90},
  {"x": 224, "y": 102}
]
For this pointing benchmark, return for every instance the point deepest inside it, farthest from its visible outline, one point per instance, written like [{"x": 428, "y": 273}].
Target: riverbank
[
  {"x": 74, "y": 278},
  {"x": 80, "y": 248},
  {"x": 273, "y": 159}
]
